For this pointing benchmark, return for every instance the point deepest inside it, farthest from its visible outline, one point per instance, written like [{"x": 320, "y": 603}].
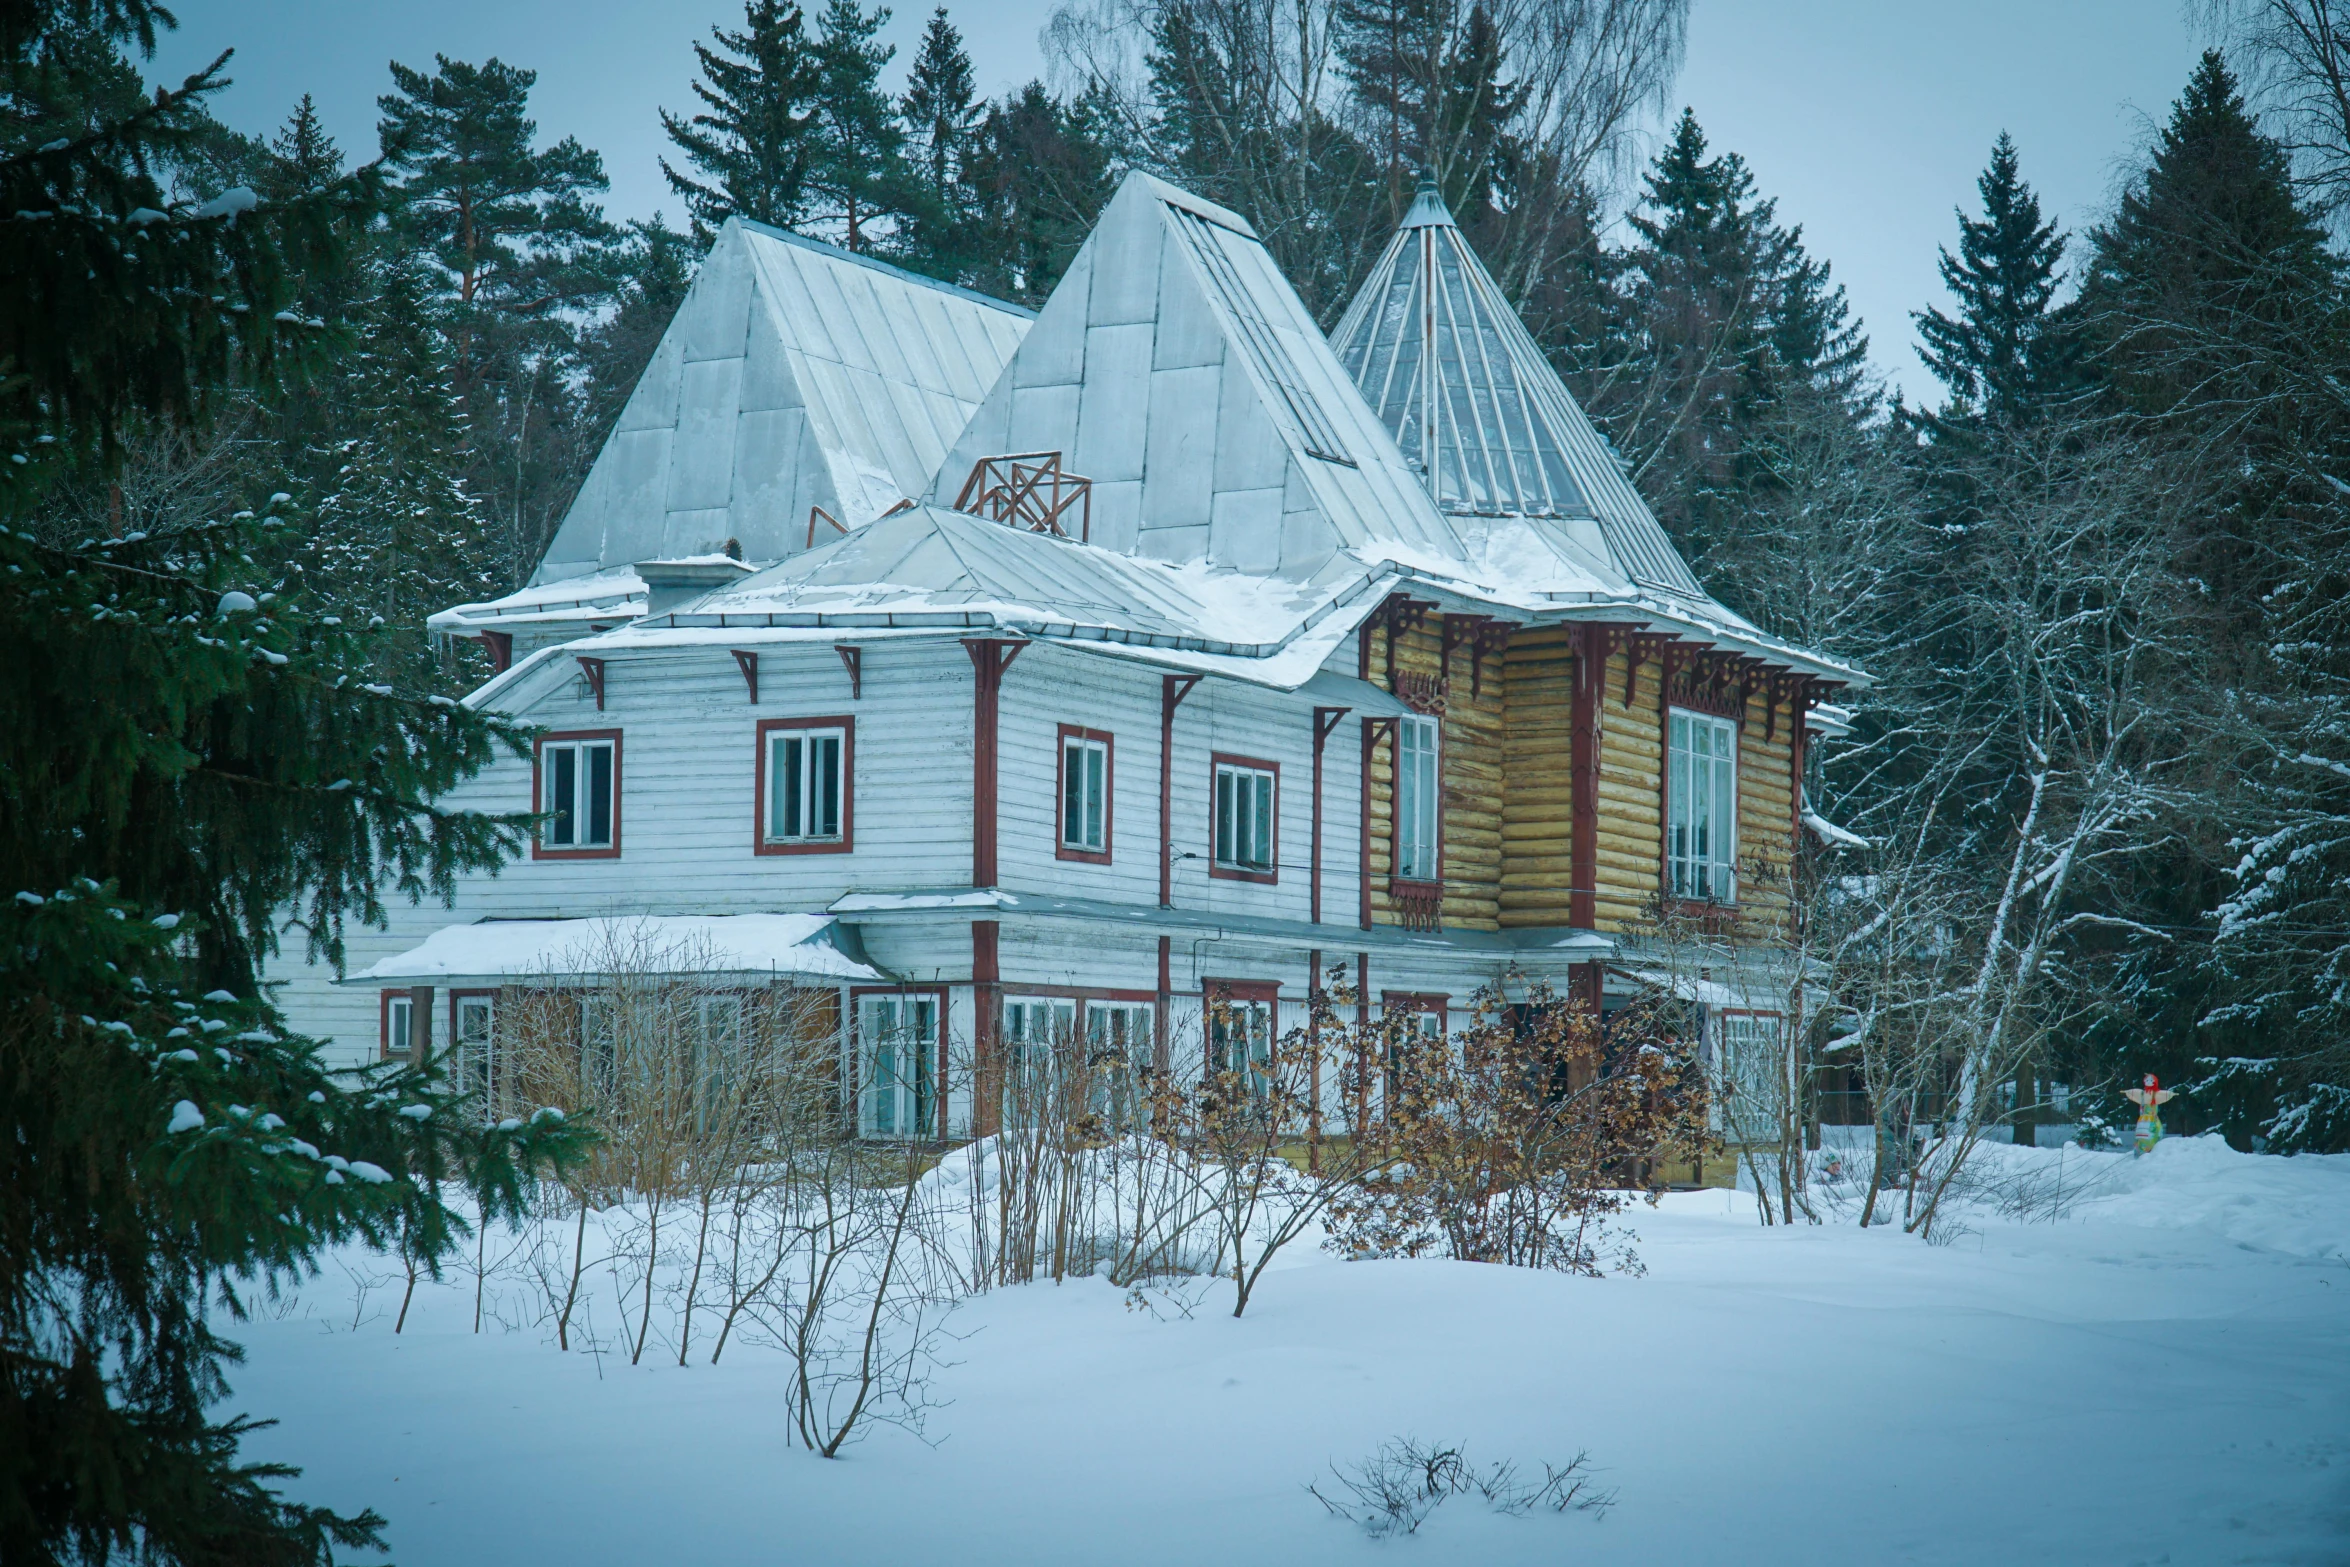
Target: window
[
  {"x": 398, "y": 1022},
  {"x": 718, "y": 1054},
  {"x": 1421, "y": 1026},
  {"x": 1752, "y": 1090},
  {"x": 578, "y": 782},
  {"x": 1244, "y": 824},
  {"x": 1037, "y": 1037},
  {"x": 806, "y": 772},
  {"x": 472, "y": 1022},
  {"x": 1120, "y": 1045},
  {"x": 1419, "y": 801},
  {"x": 1240, "y": 1039},
  {"x": 1701, "y": 804},
  {"x": 599, "y": 1047},
  {"x": 897, "y": 1066},
  {"x": 1085, "y": 795}
]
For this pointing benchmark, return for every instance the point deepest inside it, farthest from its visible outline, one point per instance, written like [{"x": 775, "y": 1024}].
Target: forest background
[{"x": 2101, "y": 787}]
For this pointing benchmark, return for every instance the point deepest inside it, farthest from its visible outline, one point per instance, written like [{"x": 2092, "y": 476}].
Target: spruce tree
[
  {"x": 943, "y": 116},
  {"x": 189, "y": 757},
  {"x": 858, "y": 182},
  {"x": 2005, "y": 353},
  {"x": 754, "y": 143}
]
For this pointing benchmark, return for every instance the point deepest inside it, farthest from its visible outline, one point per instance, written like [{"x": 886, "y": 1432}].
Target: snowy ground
[{"x": 2162, "y": 1375}]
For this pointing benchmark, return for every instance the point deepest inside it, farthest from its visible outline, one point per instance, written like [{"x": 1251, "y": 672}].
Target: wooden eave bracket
[
  {"x": 593, "y": 668},
  {"x": 748, "y": 663},
  {"x": 852, "y": 659}
]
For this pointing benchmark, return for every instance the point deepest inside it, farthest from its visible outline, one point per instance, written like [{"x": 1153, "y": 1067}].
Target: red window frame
[
  {"x": 1429, "y": 889},
  {"x": 1109, "y": 745},
  {"x": 1419, "y": 1001},
  {"x": 385, "y": 1049},
  {"x": 1270, "y": 875},
  {"x": 538, "y": 848},
  {"x": 847, "y": 725}
]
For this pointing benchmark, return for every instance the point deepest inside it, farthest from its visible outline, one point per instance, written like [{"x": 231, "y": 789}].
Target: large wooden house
[{"x": 998, "y": 673}]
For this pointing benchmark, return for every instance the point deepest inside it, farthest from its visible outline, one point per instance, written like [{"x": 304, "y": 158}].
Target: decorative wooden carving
[
  {"x": 1029, "y": 490},
  {"x": 1419, "y": 905},
  {"x": 1422, "y": 693}
]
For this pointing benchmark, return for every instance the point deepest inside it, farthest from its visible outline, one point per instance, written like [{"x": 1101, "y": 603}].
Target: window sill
[
  {"x": 1418, "y": 904},
  {"x": 1235, "y": 873},
  {"x": 1062, "y": 851},
  {"x": 821, "y": 846},
  {"x": 539, "y": 851}
]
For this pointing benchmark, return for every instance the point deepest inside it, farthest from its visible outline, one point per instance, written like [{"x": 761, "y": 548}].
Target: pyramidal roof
[
  {"x": 1176, "y": 369},
  {"x": 794, "y": 376},
  {"x": 1476, "y": 407}
]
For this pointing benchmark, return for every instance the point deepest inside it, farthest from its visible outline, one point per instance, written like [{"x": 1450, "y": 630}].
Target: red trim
[
  {"x": 593, "y": 668},
  {"x": 385, "y": 1050},
  {"x": 500, "y": 647},
  {"x": 1272, "y": 874},
  {"x": 1061, "y": 849},
  {"x": 1266, "y": 990},
  {"x": 1417, "y": 1001},
  {"x": 990, "y": 657},
  {"x": 538, "y": 850},
  {"x": 748, "y": 663},
  {"x": 848, "y": 786},
  {"x": 1165, "y": 1000},
  {"x": 852, "y": 659},
  {"x": 1172, "y": 690}
]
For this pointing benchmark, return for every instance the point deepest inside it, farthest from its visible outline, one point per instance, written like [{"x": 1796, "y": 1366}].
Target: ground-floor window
[
  {"x": 399, "y": 1017},
  {"x": 1040, "y": 1036},
  {"x": 1240, "y": 1039},
  {"x": 897, "y": 1066},
  {"x": 1750, "y": 1075},
  {"x": 473, "y": 1031}
]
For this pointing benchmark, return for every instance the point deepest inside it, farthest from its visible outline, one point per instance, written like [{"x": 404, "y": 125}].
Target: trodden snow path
[{"x": 2163, "y": 1376}]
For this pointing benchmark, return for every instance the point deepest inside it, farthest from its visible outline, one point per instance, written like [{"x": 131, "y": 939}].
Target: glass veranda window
[
  {"x": 1244, "y": 818},
  {"x": 1039, "y": 1035},
  {"x": 1085, "y": 774},
  {"x": 478, "y": 1068},
  {"x": 897, "y": 1076},
  {"x": 804, "y": 785},
  {"x": 1701, "y": 788},
  {"x": 1120, "y": 1044},
  {"x": 1418, "y": 799},
  {"x": 576, "y": 788}
]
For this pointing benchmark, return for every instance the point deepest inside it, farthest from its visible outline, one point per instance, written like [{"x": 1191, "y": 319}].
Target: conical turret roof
[{"x": 1459, "y": 382}]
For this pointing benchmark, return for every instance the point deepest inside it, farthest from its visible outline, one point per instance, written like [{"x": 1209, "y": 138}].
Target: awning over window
[{"x": 758, "y": 947}]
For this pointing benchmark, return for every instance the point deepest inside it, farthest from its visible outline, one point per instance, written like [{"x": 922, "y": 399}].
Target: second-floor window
[
  {"x": 1085, "y": 794},
  {"x": 1245, "y": 816},
  {"x": 806, "y": 775},
  {"x": 1419, "y": 800},
  {"x": 1701, "y": 807},
  {"x": 579, "y": 789}
]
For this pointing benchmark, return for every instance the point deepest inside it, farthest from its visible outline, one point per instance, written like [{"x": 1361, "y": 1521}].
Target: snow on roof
[
  {"x": 608, "y": 597},
  {"x": 1477, "y": 408},
  {"x": 794, "y": 375},
  {"x": 795, "y": 946},
  {"x": 1176, "y": 369}
]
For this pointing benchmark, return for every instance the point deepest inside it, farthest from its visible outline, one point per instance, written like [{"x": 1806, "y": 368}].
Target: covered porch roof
[{"x": 741, "y": 947}]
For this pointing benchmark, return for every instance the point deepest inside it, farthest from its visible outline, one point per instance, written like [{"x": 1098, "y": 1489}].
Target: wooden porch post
[
  {"x": 1583, "y": 777},
  {"x": 990, "y": 657},
  {"x": 987, "y": 1024},
  {"x": 1325, "y": 721}
]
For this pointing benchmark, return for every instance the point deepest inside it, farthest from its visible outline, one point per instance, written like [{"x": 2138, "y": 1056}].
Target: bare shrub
[
  {"x": 1516, "y": 1140},
  {"x": 1395, "y": 1489}
]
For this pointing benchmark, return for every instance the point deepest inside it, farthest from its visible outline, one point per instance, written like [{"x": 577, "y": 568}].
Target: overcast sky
[{"x": 1867, "y": 119}]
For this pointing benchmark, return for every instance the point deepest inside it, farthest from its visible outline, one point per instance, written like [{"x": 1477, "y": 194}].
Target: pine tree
[
  {"x": 189, "y": 756},
  {"x": 858, "y": 180},
  {"x": 524, "y": 256},
  {"x": 754, "y": 144},
  {"x": 2005, "y": 353},
  {"x": 943, "y": 116},
  {"x": 1041, "y": 174}
]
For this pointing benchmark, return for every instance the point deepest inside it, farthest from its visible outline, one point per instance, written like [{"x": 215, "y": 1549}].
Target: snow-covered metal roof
[
  {"x": 794, "y": 376},
  {"x": 1477, "y": 408},
  {"x": 1177, "y": 370},
  {"x": 783, "y": 946}
]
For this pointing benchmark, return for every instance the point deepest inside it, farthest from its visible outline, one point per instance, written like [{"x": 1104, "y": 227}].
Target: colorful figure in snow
[{"x": 2150, "y": 1101}]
